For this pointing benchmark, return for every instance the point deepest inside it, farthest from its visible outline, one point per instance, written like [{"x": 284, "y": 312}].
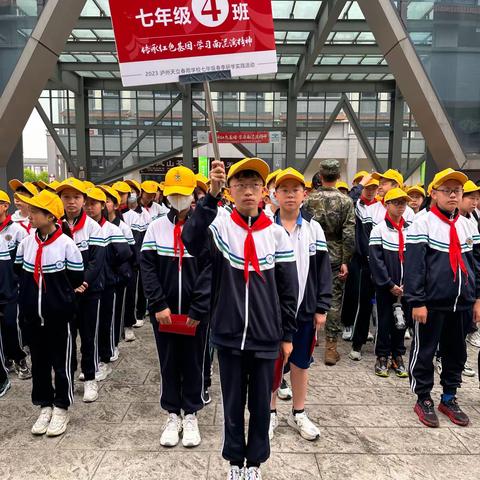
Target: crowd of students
[{"x": 237, "y": 264}]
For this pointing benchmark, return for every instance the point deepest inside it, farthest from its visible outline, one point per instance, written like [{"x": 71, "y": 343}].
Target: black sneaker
[
  {"x": 10, "y": 366},
  {"x": 206, "y": 397},
  {"x": 454, "y": 412},
  {"x": 4, "y": 387},
  {"x": 381, "y": 367},
  {"x": 22, "y": 369},
  {"x": 425, "y": 409},
  {"x": 399, "y": 367}
]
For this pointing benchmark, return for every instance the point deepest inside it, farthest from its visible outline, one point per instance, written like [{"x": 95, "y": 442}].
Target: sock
[
  {"x": 176, "y": 412},
  {"x": 296, "y": 412},
  {"x": 423, "y": 396},
  {"x": 446, "y": 397},
  {"x": 273, "y": 410},
  {"x": 252, "y": 464},
  {"x": 238, "y": 464}
]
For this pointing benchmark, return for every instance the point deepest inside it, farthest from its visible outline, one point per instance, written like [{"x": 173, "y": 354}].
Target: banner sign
[
  {"x": 159, "y": 40},
  {"x": 241, "y": 137}
]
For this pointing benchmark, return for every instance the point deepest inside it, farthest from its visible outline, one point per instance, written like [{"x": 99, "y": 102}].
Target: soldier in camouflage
[{"x": 335, "y": 213}]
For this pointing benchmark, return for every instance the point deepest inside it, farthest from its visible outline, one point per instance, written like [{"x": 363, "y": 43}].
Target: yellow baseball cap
[
  {"x": 179, "y": 180},
  {"x": 46, "y": 200},
  {"x": 134, "y": 184},
  {"x": 71, "y": 183},
  {"x": 390, "y": 174},
  {"x": 161, "y": 186},
  {"x": 4, "y": 197},
  {"x": 371, "y": 182},
  {"x": 228, "y": 196},
  {"x": 121, "y": 187},
  {"x": 289, "y": 174},
  {"x": 29, "y": 186},
  {"x": 87, "y": 184},
  {"x": 97, "y": 194},
  {"x": 52, "y": 186},
  {"x": 272, "y": 176},
  {"x": 359, "y": 175},
  {"x": 308, "y": 185},
  {"x": 202, "y": 181},
  {"x": 470, "y": 187},
  {"x": 111, "y": 192},
  {"x": 448, "y": 174},
  {"x": 149, "y": 186},
  {"x": 256, "y": 164},
  {"x": 394, "y": 194},
  {"x": 417, "y": 189},
  {"x": 341, "y": 184}
]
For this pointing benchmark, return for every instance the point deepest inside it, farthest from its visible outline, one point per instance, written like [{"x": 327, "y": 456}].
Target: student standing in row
[
  {"x": 177, "y": 290},
  {"x": 117, "y": 253},
  {"x": 254, "y": 296},
  {"x": 387, "y": 253},
  {"x": 51, "y": 268},
  {"x": 442, "y": 285},
  {"x": 26, "y": 189},
  {"x": 87, "y": 235},
  {"x": 315, "y": 293}
]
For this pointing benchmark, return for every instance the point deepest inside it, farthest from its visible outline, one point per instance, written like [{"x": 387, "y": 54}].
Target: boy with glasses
[
  {"x": 442, "y": 285},
  {"x": 386, "y": 256},
  {"x": 315, "y": 293}
]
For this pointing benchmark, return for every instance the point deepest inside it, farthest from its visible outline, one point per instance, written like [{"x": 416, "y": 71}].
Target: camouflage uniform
[{"x": 335, "y": 213}]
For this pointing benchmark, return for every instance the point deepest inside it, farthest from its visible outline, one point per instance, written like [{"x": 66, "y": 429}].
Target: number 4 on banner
[{"x": 211, "y": 10}]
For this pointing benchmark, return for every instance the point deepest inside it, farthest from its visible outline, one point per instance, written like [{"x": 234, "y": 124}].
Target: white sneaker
[
  {"x": 347, "y": 333},
  {"x": 58, "y": 423},
  {"x": 116, "y": 354},
  {"x": 408, "y": 335},
  {"x": 191, "y": 433},
  {"x": 171, "y": 431},
  {"x": 129, "y": 335},
  {"x": 81, "y": 377},
  {"x": 304, "y": 426},
  {"x": 474, "y": 339},
  {"x": 236, "y": 473},
  {"x": 468, "y": 371},
  {"x": 353, "y": 355},
  {"x": 90, "y": 391},
  {"x": 370, "y": 337},
  {"x": 273, "y": 425},
  {"x": 41, "y": 425},
  {"x": 104, "y": 370},
  {"x": 284, "y": 392},
  {"x": 139, "y": 323},
  {"x": 253, "y": 473}
]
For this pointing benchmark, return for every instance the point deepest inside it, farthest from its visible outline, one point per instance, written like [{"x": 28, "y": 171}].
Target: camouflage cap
[{"x": 330, "y": 167}]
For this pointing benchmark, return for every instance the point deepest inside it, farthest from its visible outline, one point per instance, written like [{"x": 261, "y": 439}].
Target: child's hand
[
  {"x": 419, "y": 314},
  {"x": 319, "y": 320},
  {"x": 192, "y": 323},
  {"x": 163, "y": 317},
  {"x": 397, "y": 291},
  {"x": 217, "y": 178},
  {"x": 287, "y": 348},
  {"x": 82, "y": 288}
]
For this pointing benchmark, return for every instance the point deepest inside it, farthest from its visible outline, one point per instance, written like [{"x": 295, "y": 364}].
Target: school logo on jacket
[
  {"x": 312, "y": 248},
  {"x": 469, "y": 241},
  {"x": 8, "y": 238},
  {"x": 59, "y": 265},
  {"x": 270, "y": 259},
  {"x": 83, "y": 244}
]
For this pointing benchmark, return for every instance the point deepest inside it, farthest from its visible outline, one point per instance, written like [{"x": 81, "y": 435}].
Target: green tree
[{"x": 30, "y": 176}]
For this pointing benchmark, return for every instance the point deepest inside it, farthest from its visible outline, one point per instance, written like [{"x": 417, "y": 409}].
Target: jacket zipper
[
  {"x": 244, "y": 337},
  {"x": 40, "y": 284},
  {"x": 459, "y": 288}
]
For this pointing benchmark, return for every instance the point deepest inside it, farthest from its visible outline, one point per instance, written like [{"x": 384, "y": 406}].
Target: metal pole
[{"x": 211, "y": 120}]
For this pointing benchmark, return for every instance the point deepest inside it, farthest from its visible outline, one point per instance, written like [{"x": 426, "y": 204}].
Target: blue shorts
[{"x": 303, "y": 340}]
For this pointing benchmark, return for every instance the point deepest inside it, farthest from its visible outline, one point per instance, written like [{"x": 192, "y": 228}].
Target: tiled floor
[{"x": 369, "y": 430}]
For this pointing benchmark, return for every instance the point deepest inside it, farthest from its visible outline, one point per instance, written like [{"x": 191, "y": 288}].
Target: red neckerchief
[
  {"x": 178, "y": 243},
  {"x": 401, "y": 239},
  {"x": 80, "y": 224},
  {"x": 102, "y": 221},
  {"x": 38, "y": 257},
  {"x": 6, "y": 222},
  {"x": 454, "y": 249},
  {"x": 27, "y": 227},
  {"x": 249, "y": 250},
  {"x": 367, "y": 202},
  {"x": 123, "y": 208}
]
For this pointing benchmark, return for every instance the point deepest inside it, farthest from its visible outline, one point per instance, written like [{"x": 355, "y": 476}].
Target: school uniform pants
[
  {"x": 3, "y": 367},
  {"x": 389, "y": 340},
  {"x": 181, "y": 369},
  {"x": 242, "y": 374},
  {"x": 51, "y": 348},
  {"x": 106, "y": 328},
  {"x": 446, "y": 330},
  {"x": 207, "y": 361},
  {"x": 141, "y": 301},
  {"x": 129, "y": 318},
  {"x": 120, "y": 309},
  {"x": 87, "y": 322},
  {"x": 12, "y": 335}
]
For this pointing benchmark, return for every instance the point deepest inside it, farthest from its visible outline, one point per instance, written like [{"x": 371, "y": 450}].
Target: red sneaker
[
  {"x": 426, "y": 413},
  {"x": 454, "y": 412}
]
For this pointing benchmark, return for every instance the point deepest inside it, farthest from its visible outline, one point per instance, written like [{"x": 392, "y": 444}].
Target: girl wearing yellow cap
[
  {"x": 117, "y": 253},
  {"x": 51, "y": 269},
  {"x": 12, "y": 233},
  {"x": 28, "y": 190}
]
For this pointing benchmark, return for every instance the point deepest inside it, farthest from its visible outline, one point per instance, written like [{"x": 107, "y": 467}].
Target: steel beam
[
  {"x": 327, "y": 17},
  {"x": 82, "y": 130},
  {"x": 291, "y": 130},
  {"x": 187, "y": 120},
  {"x": 399, "y": 51},
  {"x": 33, "y": 69},
  {"x": 396, "y": 133}
]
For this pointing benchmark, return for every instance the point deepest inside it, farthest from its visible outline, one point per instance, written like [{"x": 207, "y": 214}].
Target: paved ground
[{"x": 368, "y": 430}]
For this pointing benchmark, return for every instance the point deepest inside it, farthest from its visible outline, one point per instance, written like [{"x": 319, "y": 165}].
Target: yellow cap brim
[
  {"x": 254, "y": 164},
  {"x": 288, "y": 176},
  {"x": 400, "y": 197},
  {"x": 458, "y": 176},
  {"x": 178, "y": 190},
  {"x": 34, "y": 203}
]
